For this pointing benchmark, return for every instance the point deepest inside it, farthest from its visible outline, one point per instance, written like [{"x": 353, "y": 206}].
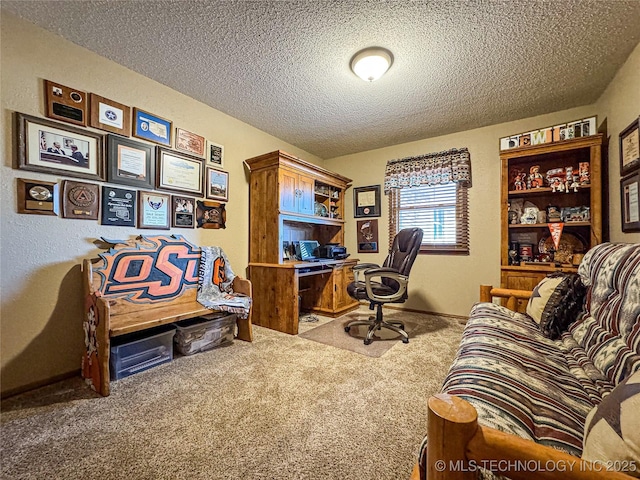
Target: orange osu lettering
[{"x": 219, "y": 276}]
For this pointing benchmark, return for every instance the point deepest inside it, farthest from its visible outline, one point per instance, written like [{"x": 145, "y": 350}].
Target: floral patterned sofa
[{"x": 525, "y": 384}]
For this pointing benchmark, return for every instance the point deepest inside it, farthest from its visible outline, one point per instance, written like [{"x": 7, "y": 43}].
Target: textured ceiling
[{"x": 283, "y": 66}]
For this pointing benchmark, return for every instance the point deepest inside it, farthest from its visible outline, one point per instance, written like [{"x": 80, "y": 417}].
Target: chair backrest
[{"x": 404, "y": 251}]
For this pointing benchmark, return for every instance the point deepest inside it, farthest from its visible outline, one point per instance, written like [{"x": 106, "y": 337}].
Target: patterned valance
[{"x": 430, "y": 169}]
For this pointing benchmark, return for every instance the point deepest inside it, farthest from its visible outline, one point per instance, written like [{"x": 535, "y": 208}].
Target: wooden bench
[{"x": 137, "y": 285}]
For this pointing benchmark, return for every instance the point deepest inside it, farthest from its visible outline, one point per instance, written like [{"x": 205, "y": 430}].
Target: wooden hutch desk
[{"x": 290, "y": 200}]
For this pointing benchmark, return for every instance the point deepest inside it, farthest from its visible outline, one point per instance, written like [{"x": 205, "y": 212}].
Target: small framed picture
[
  {"x": 37, "y": 197},
  {"x": 148, "y": 126},
  {"x": 183, "y": 212},
  {"x": 630, "y": 148},
  {"x": 190, "y": 142},
  {"x": 109, "y": 115},
  {"x": 50, "y": 147},
  {"x": 215, "y": 154},
  {"x": 217, "y": 184},
  {"x": 366, "y": 201},
  {"x": 130, "y": 162},
  {"x": 153, "y": 210},
  {"x": 66, "y": 103},
  {"x": 211, "y": 214},
  {"x": 629, "y": 191},
  {"x": 179, "y": 172}
]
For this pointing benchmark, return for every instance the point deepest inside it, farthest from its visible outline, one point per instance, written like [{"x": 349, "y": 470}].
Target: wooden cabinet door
[
  {"x": 521, "y": 281},
  {"x": 305, "y": 195},
  {"x": 288, "y": 190},
  {"x": 340, "y": 288}
]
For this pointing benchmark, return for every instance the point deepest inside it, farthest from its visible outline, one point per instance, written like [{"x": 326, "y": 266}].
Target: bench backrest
[{"x": 148, "y": 270}]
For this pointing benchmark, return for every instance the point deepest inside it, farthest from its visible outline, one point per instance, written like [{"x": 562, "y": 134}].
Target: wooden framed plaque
[
  {"x": 110, "y": 116},
  {"x": 367, "y": 236},
  {"x": 211, "y": 214},
  {"x": 80, "y": 200},
  {"x": 66, "y": 103},
  {"x": 37, "y": 197},
  {"x": 183, "y": 212}
]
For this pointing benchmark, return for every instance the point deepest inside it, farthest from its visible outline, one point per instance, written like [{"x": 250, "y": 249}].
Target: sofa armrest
[
  {"x": 487, "y": 294},
  {"x": 458, "y": 445}
]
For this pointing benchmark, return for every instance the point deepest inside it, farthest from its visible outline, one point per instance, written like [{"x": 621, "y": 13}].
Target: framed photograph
[
  {"x": 190, "y": 142},
  {"x": 629, "y": 190},
  {"x": 118, "y": 207},
  {"x": 109, "y": 115},
  {"x": 130, "y": 162},
  {"x": 51, "y": 147},
  {"x": 148, "y": 126},
  {"x": 80, "y": 200},
  {"x": 153, "y": 210},
  {"x": 183, "y": 212},
  {"x": 215, "y": 154},
  {"x": 366, "y": 201},
  {"x": 37, "y": 197},
  {"x": 211, "y": 214},
  {"x": 66, "y": 103},
  {"x": 179, "y": 172},
  {"x": 217, "y": 184},
  {"x": 630, "y": 148},
  {"x": 367, "y": 236}
]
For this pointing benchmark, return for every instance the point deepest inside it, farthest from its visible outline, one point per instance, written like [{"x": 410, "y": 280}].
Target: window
[{"x": 439, "y": 210}]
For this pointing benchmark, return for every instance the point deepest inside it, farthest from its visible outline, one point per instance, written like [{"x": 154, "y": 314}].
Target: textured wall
[
  {"x": 620, "y": 104},
  {"x": 40, "y": 255}
]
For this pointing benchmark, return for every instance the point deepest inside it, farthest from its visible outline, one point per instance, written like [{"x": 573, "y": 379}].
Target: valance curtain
[{"x": 430, "y": 169}]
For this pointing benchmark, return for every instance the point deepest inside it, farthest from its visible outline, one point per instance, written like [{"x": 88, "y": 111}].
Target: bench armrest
[{"x": 245, "y": 329}]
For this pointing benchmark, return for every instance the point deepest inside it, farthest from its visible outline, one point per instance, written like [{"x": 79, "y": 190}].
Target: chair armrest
[
  {"x": 385, "y": 272},
  {"x": 360, "y": 267}
]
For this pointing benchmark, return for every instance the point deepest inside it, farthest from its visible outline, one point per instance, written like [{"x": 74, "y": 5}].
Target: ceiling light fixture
[{"x": 371, "y": 63}]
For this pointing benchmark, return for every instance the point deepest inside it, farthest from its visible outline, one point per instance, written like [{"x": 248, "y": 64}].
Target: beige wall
[
  {"x": 620, "y": 104},
  {"x": 40, "y": 255}
]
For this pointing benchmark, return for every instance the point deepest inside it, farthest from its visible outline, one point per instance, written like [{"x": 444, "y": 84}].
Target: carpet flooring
[{"x": 282, "y": 407}]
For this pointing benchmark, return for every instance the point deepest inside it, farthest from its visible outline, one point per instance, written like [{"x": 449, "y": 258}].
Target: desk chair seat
[{"x": 392, "y": 287}]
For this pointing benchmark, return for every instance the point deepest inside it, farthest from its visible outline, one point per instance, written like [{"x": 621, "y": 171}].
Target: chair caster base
[
  {"x": 346, "y": 329},
  {"x": 405, "y": 340},
  {"x": 367, "y": 341}
]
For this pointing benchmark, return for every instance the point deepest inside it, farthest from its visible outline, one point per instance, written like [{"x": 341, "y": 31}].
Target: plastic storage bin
[
  {"x": 140, "y": 351},
  {"x": 204, "y": 333}
]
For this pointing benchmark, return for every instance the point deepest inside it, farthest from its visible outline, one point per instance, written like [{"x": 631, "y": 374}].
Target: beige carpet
[
  {"x": 282, "y": 407},
  {"x": 332, "y": 333}
]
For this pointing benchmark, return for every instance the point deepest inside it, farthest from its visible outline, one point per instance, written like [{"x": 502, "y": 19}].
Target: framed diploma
[
  {"x": 37, "y": 197},
  {"x": 80, "y": 200},
  {"x": 190, "y": 142},
  {"x": 130, "y": 162},
  {"x": 179, "y": 172},
  {"x": 630, "y": 148},
  {"x": 217, "y": 184},
  {"x": 629, "y": 191},
  {"x": 366, "y": 201},
  {"x": 110, "y": 115},
  {"x": 66, "y": 103},
  {"x": 153, "y": 210},
  {"x": 118, "y": 207},
  {"x": 148, "y": 126},
  {"x": 183, "y": 212},
  {"x": 51, "y": 147}
]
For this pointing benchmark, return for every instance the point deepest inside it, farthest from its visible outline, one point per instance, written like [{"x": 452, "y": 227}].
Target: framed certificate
[
  {"x": 130, "y": 162},
  {"x": 366, "y": 201},
  {"x": 179, "y": 172},
  {"x": 153, "y": 210},
  {"x": 148, "y": 126},
  {"x": 110, "y": 115},
  {"x": 629, "y": 193},
  {"x": 190, "y": 142},
  {"x": 630, "y": 148}
]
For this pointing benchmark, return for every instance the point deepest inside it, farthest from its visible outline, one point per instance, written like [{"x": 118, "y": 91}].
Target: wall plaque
[
  {"x": 118, "y": 207},
  {"x": 80, "y": 200},
  {"x": 38, "y": 197},
  {"x": 66, "y": 103}
]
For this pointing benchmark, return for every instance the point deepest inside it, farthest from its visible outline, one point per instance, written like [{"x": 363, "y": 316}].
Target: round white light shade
[{"x": 371, "y": 63}]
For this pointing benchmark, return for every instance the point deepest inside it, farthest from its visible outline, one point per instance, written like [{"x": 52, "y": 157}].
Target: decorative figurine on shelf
[
  {"x": 557, "y": 185},
  {"x": 530, "y": 216},
  {"x": 575, "y": 183},
  {"x": 514, "y": 249},
  {"x": 536, "y": 177},
  {"x": 568, "y": 179},
  {"x": 584, "y": 173},
  {"x": 519, "y": 182}
]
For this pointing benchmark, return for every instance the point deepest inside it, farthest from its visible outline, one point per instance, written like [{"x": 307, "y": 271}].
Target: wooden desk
[{"x": 322, "y": 288}]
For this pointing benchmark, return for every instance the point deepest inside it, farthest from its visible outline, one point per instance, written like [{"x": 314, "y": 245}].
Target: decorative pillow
[
  {"x": 612, "y": 429},
  {"x": 556, "y": 302}
]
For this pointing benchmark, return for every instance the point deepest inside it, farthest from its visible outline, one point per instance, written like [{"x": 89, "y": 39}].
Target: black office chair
[{"x": 392, "y": 288}]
